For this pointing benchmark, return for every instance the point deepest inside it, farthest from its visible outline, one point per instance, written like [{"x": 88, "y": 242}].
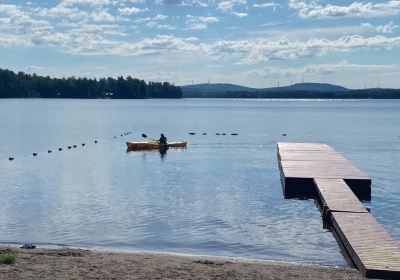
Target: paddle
[{"x": 145, "y": 136}]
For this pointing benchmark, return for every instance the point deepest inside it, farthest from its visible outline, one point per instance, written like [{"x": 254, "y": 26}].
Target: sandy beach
[{"x": 72, "y": 263}]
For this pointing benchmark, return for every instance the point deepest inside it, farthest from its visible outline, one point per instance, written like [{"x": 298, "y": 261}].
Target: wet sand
[{"x": 71, "y": 263}]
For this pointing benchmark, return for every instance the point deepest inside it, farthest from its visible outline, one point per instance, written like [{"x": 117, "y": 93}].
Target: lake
[{"x": 220, "y": 196}]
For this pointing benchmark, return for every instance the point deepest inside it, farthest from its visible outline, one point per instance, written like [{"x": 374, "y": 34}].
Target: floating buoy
[
  {"x": 95, "y": 141},
  {"x": 83, "y": 144},
  {"x": 122, "y": 135},
  {"x": 217, "y": 134},
  {"x": 60, "y": 149},
  {"x": 192, "y": 133},
  {"x": 49, "y": 151},
  {"x": 223, "y": 133},
  {"x": 234, "y": 134},
  {"x": 34, "y": 154},
  {"x": 74, "y": 146},
  {"x": 10, "y": 158},
  {"x": 69, "y": 147},
  {"x": 204, "y": 133},
  {"x": 283, "y": 134},
  {"x": 115, "y": 136}
]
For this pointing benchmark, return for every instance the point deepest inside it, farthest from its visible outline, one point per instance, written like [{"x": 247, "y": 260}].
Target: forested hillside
[{"x": 17, "y": 85}]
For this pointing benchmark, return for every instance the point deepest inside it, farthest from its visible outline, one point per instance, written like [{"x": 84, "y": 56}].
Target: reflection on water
[{"x": 222, "y": 195}]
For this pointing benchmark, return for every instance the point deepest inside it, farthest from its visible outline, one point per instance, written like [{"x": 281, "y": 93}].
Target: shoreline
[{"x": 65, "y": 262}]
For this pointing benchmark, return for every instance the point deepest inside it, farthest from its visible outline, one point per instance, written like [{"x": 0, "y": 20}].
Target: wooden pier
[
  {"x": 301, "y": 163},
  {"x": 316, "y": 170}
]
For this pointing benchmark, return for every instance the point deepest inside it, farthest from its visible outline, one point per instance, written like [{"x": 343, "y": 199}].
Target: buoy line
[{"x": 69, "y": 147}]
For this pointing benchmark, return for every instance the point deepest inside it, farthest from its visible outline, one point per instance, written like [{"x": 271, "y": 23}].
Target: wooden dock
[
  {"x": 301, "y": 163},
  {"x": 318, "y": 171}
]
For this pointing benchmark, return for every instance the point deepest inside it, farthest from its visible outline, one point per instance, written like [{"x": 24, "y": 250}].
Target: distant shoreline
[
  {"x": 348, "y": 94},
  {"x": 280, "y": 96},
  {"x": 68, "y": 263}
]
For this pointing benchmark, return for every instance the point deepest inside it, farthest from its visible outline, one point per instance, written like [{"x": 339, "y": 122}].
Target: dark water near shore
[{"x": 221, "y": 196}]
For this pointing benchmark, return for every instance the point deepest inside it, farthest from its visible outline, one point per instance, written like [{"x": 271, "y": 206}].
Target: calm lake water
[{"x": 220, "y": 196}]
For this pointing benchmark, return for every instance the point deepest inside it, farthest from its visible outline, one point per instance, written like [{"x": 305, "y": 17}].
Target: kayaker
[{"x": 163, "y": 139}]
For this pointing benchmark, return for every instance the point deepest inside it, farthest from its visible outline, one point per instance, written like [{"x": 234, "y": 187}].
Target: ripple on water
[{"x": 221, "y": 196}]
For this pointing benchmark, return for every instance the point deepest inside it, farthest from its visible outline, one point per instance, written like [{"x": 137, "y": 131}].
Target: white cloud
[
  {"x": 311, "y": 9},
  {"x": 239, "y": 14},
  {"x": 321, "y": 69},
  {"x": 199, "y": 22},
  {"x": 152, "y": 22},
  {"x": 159, "y": 44},
  {"x": 201, "y": 3},
  {"x": 89, "y": 31},
  {"x": 166, "y": 26},
  {"x": 158, "y": 17},
  {"x": 257, "y": 50},
  {"x": 387, "y": 28},
  {"x": 86, "y": 2},
  {"x": 266, "y": 5},
  {"x": 129, "y": 11},
  {"x": 101, "y": 16},
  {"x": 228, "y": 6}
]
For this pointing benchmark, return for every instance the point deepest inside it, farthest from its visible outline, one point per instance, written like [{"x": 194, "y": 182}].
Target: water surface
[{"x": 220, "y": 196}]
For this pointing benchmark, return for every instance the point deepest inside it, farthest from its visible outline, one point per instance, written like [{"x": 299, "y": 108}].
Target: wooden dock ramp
[{"x": 316, "y": 170}]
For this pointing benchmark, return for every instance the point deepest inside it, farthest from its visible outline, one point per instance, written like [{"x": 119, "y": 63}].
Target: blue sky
[{"x": 247, "y": 42}]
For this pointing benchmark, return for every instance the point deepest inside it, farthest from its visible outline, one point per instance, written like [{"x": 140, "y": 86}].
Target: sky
[{"x": 247, "y": 42}]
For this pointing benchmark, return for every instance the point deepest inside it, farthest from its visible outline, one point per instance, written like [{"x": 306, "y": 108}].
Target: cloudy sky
[{"x": 248, "y": 42}]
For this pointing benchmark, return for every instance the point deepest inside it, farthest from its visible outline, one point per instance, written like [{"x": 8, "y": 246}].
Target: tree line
[
  {"x": 377, "y": 93},
  {"x": 23, "y": 85}
]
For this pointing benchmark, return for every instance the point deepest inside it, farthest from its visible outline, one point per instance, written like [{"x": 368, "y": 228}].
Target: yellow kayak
[{"x": 153, "y": 145}]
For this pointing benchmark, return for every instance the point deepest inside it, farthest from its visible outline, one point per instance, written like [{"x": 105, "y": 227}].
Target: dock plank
[
  {"x": 372, "y": 249},
  {"x": 317, "y": 170},
  {"x": 305, "y": 146},
  {"x": 300, "y": 163},
  {"x": 336, "y": 196}
]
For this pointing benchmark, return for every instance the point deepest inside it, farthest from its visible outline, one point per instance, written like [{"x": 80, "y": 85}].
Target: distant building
[{"x": 109, "y": 95}]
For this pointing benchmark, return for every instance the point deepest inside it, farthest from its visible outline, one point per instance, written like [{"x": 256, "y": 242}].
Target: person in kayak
[
  {"x": 163, "y": 140},
  {"x": 163, "y": 145}
]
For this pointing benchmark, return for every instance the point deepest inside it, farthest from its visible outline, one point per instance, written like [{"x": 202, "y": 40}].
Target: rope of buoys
[
  {"x": 69, "y": 147},
  {"x": 218, "y": 133}
]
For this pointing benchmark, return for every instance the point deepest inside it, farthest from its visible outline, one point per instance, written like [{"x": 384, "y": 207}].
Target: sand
[{"x": 71, "y": 263}]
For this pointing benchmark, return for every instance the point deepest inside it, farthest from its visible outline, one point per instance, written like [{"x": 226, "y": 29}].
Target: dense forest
[
  {"x": 17, "y": 85},
  {"x": 377, "y": 93}
]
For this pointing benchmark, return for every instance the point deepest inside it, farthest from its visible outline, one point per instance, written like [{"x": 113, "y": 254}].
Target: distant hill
[
  {"x": 302, "y": 90},
  {"x": 308, "y": 87},
  {"x": 215, "y": 87},
  {"x": 213, "y": 90}
]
